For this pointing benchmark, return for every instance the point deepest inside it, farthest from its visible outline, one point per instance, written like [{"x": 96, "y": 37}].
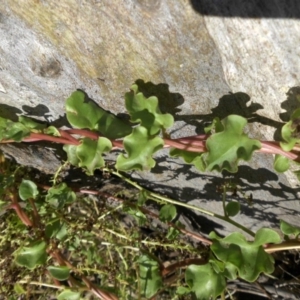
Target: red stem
[{"x": 196, "y": 143}]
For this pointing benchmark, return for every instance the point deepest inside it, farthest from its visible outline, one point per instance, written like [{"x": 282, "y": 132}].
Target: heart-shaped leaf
[
  {"x": 149, "y": 276},
  {"x": 248, "y": 258},
  {"x": 89, "y": 153},
  {"x": 81, "y": 114},
  {"x": 32, "y": 255},
  {"x": 28, "y": 189},
  {"x": 281, "y": 163},
  {"x": 289, "y": 229},
  {"x": 232, "y": 208},
  {"x": 167, "y": 213},
  {"x": 68, "y": 295},
  {"x": 146, "y": 111},
  {"x": 204, "y": 281},
  {"x": 60, "y": 195},
  {"x": 193, "y": 158},
  {"x": 227, "y": 147},
  {"x": 59, "y": 272},
  {"x": 140, "y": 147},
  {"x": 291, "y": 132}
]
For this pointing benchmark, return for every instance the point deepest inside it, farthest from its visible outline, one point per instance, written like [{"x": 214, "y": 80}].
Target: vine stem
[
  {"x": 196, "y": 143},
  {"x": 157, "y": 197}
]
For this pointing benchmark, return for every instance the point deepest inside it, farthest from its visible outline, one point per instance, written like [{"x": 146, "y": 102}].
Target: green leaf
[
  {"x": 140, "y": 147},
  {"x": 193, "y": 158},
  {"x": 89, "y": 115},
  {"x": 4, "y": 205},
  {"x": 232, "y": 208},
  {"x": 68, "y": 295},
  {"x": 146, "y": 111},
  {"x": 289, "y": 229},
  {"x": 291, "y": 132},
  {"x": 281, "y": 163},
  {"x": 248, "y": 258},
  {"x": 31, "y": 124},
  {"x": 72, "y": 154},
  {"x": 216, "y": 126},
  {"x": 60, "y": 195},
  {"x": 32, "y": 255},
  {"x": 149, "y": 276},
  {"x": 12, "y": 130},
  {"x": 51, "y": 130},
  {"x": 229, "y": 146},
  {"x": 28, "y": 189},
  {"x": 56, "y": 228},
  {"x": 172, "y": 233},
  {"x": 143, "y": 196},
  {"x": 204, "y": 281},
  {"x": 138, "y": 215},
  {"x": 182, "y": 290},
  {"x": 59, "y": 272},
  {"x": 89, "y": 153},
  {"x": 19, "y": 289},
  {"x": 167, "y": 213}
]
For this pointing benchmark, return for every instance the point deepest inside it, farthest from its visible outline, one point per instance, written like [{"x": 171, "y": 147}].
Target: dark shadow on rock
[
  {"x": 231, "y": 104},
  {"x": 9, "y": 112},
  {"x": 291, "y": 103},
  {"x": 257, "y": 182},
  {"x": 168, "y": 102},
  {"x": 289, "y": 9},
  {"x": 40, "y": 110}
]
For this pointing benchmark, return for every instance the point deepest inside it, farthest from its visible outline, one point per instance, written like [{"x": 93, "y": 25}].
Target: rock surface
[{"x": 189, "y": 54}]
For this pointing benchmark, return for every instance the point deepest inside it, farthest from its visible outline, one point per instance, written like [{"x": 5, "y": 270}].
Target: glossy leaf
[
  {"x": 146, "y": 111},
  {"x": 89, "y": 153},
  {"x": 232, "y": 208},
  {"x": 229, "y": 146},
  {"x": 167, "y": 213},
  {"x": 32, "y": 255},
  {"x": 281, "y": 163},
  {"x": 68, "y": 295},
  {"x": 204, "y": 281},
  {"x": 289, "y": 229},
  {"x": 81, "y": 114},
  {"x": 248, "y": 258},
  {"x": 59, "y": 272},
  {"x": 140, "y": 147},
  {"x": 149, "y": 276},
  {"x": 60, "y": 195},
  {"x": 28, "y": 189},
  {"x": 193, "y": 158}
]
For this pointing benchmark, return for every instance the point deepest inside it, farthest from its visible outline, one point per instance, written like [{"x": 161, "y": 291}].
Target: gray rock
[{"x": 189, "y": 54}]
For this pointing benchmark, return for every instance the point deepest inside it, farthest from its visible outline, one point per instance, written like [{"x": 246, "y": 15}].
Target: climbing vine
[{"x": 95, "y": 132}]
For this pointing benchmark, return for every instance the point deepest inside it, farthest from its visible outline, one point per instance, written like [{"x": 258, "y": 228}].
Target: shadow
[
  {"x": 9, "y": 112},
  {"x": 168, "y": 102},
  {"x": 173, "y": 177},
  {"x": 291, "y": 103},
  {"x": 289, "y": 9},
  {"x": 270, "y": 196},
  {"x": 232, "y": 104}
]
